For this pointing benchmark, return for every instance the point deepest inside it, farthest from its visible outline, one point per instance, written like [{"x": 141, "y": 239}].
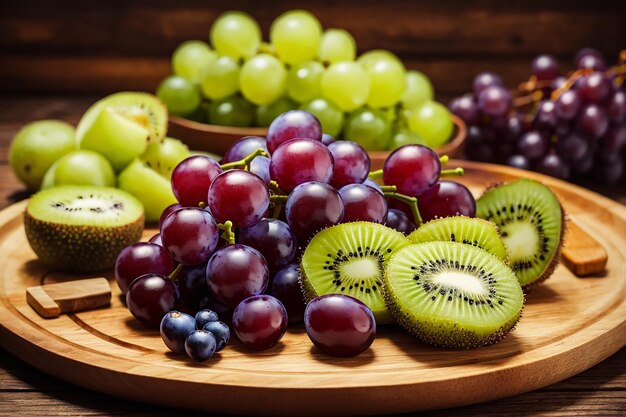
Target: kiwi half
[
  {"x": 452, "y": 295},
  {"x": 350, "y": 259},
  {"x": 531, "y": 223},
  {"x": 471, "y": 231},
  {"x": 82, "y": 228}
]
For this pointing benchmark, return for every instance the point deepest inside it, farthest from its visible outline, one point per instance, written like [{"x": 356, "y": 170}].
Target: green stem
[
  {"x": 281, "y": 199},
  {"x": 452, "y": 172},
  {"x": 277, "y": 209},
  {"x": 202, "y": 204},
  {"x": 174, "y": 275},
  {"x": 389, "y": 188},
  {"x": 376, "y": 175},
  {"x": 443, "y": 159},
  {"x": 228, "y": 234},
  {"x": 274, "y": 188},
  {"x": 411, "y": 201},
  {"x": 245, "y": 162}
]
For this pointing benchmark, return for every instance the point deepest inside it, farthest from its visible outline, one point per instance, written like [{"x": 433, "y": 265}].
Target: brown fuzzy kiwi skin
[
  {"x": 461, "y": 339},
  {"x": 79, "y": 249},
  {"x": 549, "y": 270}
]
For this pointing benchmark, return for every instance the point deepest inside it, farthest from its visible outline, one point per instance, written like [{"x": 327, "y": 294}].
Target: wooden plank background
[{"x": 92, "y": 46}]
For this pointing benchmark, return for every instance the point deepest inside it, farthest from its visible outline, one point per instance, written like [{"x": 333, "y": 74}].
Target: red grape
[
  {"x": 398, "y": 219},
  {"x": 286, "y": 287},
  {"x": 244, "y": 147},
  {"x": 594, "y": 87},
  {"x": 567, "y": 105},
  {"x": 150, "y": 297},
  {"x": 546, "y": 115},
  {"x": 236, "y": 272},
  {"x": 274, "y": 239},
  {"x": 412, "y": 169},
  {"x": 351, "y": 163},
  {"x": 545, "y": 67},
  {"x": 191, "y": 179},
  {"x": 495, "y": 101},
  {"x": 140, "y": 259},
  {"x": 339, "y": 325},
  {"x": 260, "y": 321},
  {"x": 373, "y": 184},
  {"x": 327, "y": 139},
  {"x": 190, "y": 235},
  {"x": 260, "y": 165},
  {"x": 363, "y": 203},
  {"x": 617, "y": 106},
  {"x": 593, "y": 121},
  {"x": 239, "y": 196},
  {"x": 533, "y": 145},
  {"x": 168, "y": 210},
  {"x": 290, "y": 125},
  {"x": 313, "y": 206},
  {"x": 446, "y": 198},
  {"x": 465, "y": 107},
  {"x": 301, "y": 160},
  {"x": 589, "y": 58},
  {"x": 156, "y": 239}
]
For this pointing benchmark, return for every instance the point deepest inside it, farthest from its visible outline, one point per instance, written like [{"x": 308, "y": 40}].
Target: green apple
[
  {"x": 149, "y": 187},
  {"x": 37, "y": 146}
]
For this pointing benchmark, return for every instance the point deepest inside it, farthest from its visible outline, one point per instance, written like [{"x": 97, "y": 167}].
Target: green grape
[
  {"x": 418, "y": 89},
  {"x": 179, "y": 94},
  {"x": 387, "y": 82},
  {"x": 263, "y": 79},
  {"x": 80, "y": 168},
  {"x": 432, "y": 122},
  {"x": 404, "y": 137},
  {"x": 303, "y": 81},
  {"x": 231, "y": 111},
  {"x": 328, "y": 113},
  {"x": 337, "y": 45},
  {"x": 163, "y": 157},
  {"x": 37, "y": 146},
  {"x": 236, "y": 34},
  {"x": 296, "y": 35},
  {"x": 220, "y": 78},
  {"x": 346, "y": 84},
  {"x": 266, "y": 113},
  {"x": 150, "y": 188},
  {"x": 370, "y": 128},
  {"x": 376, "y": 55},
  {"x": 190, "y": 59}
]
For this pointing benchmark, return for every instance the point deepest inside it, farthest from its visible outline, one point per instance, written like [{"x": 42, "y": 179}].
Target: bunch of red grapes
[
  {"x": 567, "y": 126},
  {"x": 240, "y": 226}
]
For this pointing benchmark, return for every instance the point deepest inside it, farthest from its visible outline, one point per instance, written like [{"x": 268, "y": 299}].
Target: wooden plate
[
  {"x": 217, "y": 139},
  {"x": 569, "y": 325}
]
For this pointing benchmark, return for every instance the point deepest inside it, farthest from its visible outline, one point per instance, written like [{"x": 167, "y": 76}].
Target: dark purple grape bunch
[{"x": 570, "y": 127}]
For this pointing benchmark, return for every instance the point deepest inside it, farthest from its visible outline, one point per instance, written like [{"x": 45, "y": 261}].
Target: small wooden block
[
  {"x": 582, "y": 254},
  {"x": 51, "y": 300}
]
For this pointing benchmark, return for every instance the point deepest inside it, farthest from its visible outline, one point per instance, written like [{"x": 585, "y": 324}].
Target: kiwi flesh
[
  {"x": 82, "y": 228},
  {"x": 532, "y": 224},
  {"x": 349, "y": 259},
  {"x": 452, "y": 295},
  {"x": 471, "y": 231}
]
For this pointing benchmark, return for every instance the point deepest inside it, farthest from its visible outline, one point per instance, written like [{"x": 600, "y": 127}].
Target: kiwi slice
[
  {"x": 452, "y": 295},
  {"x": 82, "y": 228},
  {"x": 350, "y": 259},
  {"x": 121, "y": 125},
  {"x": 471, "y": 231},
  {"x": 531, "y": 223}
]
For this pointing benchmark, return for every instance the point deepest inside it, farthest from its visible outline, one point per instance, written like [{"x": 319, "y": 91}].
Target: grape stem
[
  {"x": 392, "y": 192},
  {"x": 281, "y": 199},
  {"x": 174, "y": 275},
  {"x": 375, "y": 175},
  {"x": 228, "y": 234},
  {"x": 452, "y": 172},
  {"x": 443, "y": 159},
  {"x": 202, "y": 204},
  {"x": 245, "y": 162},
  {"x": 274, "y": 188}
]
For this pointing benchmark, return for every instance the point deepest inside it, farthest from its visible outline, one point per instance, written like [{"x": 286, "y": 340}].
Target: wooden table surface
[{"x": 25, "y": 391}]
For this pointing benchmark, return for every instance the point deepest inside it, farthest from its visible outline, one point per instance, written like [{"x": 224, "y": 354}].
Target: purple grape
[
  {"x": 193, "y": 288},
  {"x": 554, "y": 166},
  {"x": 482, "y": 152},
  {"x": 608, "y": 173},
  {"x": 572, "y": 148},
  {"x": 363, "y": 203},
  {"x": 205, "y": 316},
  {"x": 617, "y": 106},
  {"x": 313, "y": 206},
  {"x": 567, "y": 105},
  {"x": 513, "y": 129},
  {"x": 220, "y": 331},
  {"x": 533, "y": 145},
  {"x": 446, "y": 198},
  {"x": 260, "y": 321},
  {"x": 484, "y": 80},
  {"x": 286, "y": 288},
  {"x": 593, "y": 121},
  {"x": 373, "y": 184},
  {"x": 613, "y": 142},
  {"x": 412, "y": 169},
  {"x": 290, "y": 125},
  {"x": 589, "y": 58},
  {"x": 260, "y": 166},
  {"x": 150, "y": 297},
  {"x": 274, "y": 239},
  {"x": 518, "y": 161},
  {"x": 546, "y": 115},
  {"x": 594, "y": 87},
  {"x": 558, "y": 82},
  {"x": 474, "y": 136},
  {"x": 139, "y": 259},
  {"x": 465, "y": 107},
  {"x": 495, "y": 101},
  {"x": 397, "y": 219},
  {"x": 156, "y": 239},
  {"x": 583, "y": 166},
  {"x": 562, "y": 128},
  {"x": 190, "y": 235},
  {"x": 301, "y": 160},
  {"x": 168, "y": 210},
  {"x": 545, "y": 67},
  {"x": 327, "y": 139},
  {"x": 244, "y": 147},
  {"x": 174, "y": 328},
  {"x": 192, "y": 178},
  {"x": 351, "y": 163},
  {"x": 200, "y": 345}
]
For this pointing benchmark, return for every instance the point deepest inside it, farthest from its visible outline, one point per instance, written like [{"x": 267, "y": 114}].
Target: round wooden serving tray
[{"x": 569, "y": 324}]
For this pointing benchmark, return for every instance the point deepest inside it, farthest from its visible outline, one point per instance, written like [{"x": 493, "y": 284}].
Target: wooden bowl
[{"x": 217, "y": 139}]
